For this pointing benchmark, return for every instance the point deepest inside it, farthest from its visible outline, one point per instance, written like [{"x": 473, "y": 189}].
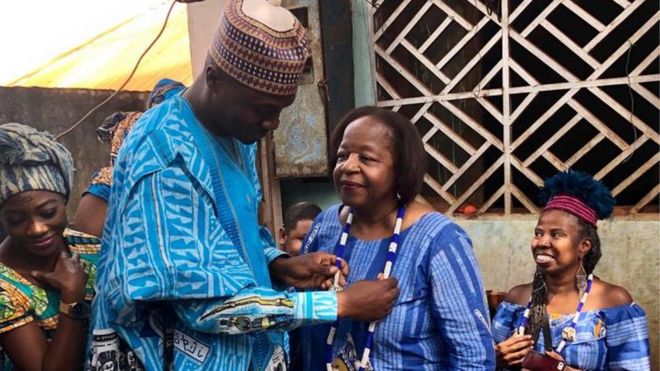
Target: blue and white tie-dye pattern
[
  {"x": 440, "y": 321},
  {"x": 182, "y": 234},
  {"x": 606, "y": 339}
]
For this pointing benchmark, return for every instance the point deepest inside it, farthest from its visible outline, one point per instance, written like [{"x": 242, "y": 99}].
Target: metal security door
[
  {"x": 507, "y": 93},
  {"x": 300, "y": 142}
]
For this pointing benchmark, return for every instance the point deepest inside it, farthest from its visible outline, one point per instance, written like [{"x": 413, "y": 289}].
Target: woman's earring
[{"x": 581, "y": 278}]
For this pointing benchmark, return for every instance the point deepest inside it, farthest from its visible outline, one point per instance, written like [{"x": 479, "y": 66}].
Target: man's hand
[
  {"x": 368, "y": 300},
  {"x": 309, "y": 271}
]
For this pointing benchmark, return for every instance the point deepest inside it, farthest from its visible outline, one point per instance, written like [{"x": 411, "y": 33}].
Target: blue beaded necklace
[
  {"x": 339, "y": 252},
  {"x": 568, "y": 333}
]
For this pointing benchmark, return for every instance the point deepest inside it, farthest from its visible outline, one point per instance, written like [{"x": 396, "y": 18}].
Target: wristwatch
[{"x": 78, "y": 310}]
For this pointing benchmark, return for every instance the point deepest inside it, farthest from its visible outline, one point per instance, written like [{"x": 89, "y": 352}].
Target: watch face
[{"x": 80, "y": 310}]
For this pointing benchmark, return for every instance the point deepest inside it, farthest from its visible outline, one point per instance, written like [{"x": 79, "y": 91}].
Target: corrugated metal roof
[{"x": 106, "y": 60}]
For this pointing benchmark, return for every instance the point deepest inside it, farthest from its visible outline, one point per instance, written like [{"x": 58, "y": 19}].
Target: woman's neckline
[
  {"x": 404, "y": 231},
  {"x": 18, "y": 276},
  {"x": 560, "y": 315}
]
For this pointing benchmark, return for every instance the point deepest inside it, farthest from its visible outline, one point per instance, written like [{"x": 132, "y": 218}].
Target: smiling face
[
  {"x": 557, "y": 245},
  {"x": 35, "y": 221},
  {"x": 364, "y": 173}
]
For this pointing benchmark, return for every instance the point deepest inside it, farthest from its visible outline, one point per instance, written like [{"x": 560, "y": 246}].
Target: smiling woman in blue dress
[
  {"x": 440, "y": 321},
  {"x": 593, "y": 325}
]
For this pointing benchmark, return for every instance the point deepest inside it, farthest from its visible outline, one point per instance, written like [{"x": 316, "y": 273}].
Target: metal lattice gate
[{"x": 505, "y": 94}]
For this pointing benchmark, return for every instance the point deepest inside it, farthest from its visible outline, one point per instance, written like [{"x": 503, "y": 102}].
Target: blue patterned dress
[
  {"x": 440, "y": 321},
  {"x": 182, "y": 245},
  {"x": 606, "y": 339}
]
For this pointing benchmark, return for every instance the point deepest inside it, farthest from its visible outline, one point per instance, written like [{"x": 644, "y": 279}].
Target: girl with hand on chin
[
  {"x": 593, "y": 325},
  {"x": 46, "y": 270},
  {"x": 440, "y": 320}
]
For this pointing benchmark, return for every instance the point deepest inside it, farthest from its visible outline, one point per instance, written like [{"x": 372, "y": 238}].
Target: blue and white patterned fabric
[
  {"x": 440, "y": 321},
  {"x": 606, "y": 339},
  {"x": 182, "y": 236},
  {"x": 99, "y": 190}
]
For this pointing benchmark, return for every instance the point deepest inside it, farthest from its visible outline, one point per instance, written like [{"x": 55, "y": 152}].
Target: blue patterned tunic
[
  {"x": 181, "y": 241},
  {"x": 440, "y": 321},
  {"x": 606, "y": 339}
]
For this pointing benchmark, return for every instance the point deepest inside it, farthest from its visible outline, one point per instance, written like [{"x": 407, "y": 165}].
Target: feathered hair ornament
[{"x": 578, "y": 193}]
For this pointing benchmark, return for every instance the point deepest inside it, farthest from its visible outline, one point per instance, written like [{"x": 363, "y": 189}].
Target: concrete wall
[
  {"x": 54, "y": 110},
  {"x": 631, "y": 258},
  {"x": 203, "y": 19}
]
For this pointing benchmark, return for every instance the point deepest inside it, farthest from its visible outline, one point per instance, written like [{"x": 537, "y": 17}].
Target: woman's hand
[
  {"x": 513, "y": 350},
  {"x": 26, "y": 345},
  {"x": 68, "y": 277}
]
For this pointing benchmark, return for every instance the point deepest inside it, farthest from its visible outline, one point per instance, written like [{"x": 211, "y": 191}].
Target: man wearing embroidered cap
[{"x": 186, "y": 275}]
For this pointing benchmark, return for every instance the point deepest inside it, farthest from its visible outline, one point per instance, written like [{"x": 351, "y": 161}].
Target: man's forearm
[{"x": 257, "y": 309}]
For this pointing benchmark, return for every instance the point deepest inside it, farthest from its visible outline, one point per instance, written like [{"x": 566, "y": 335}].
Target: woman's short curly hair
[{"x": 409, "y": 155}]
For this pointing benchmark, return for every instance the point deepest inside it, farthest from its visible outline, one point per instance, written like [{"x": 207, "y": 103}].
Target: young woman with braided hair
[{"x": 592, "y": 324}]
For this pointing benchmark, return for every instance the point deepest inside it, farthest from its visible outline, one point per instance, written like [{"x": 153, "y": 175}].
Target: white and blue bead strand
[
  {"x": 339, "y": 252},
  {"x": 576, "y": 317},
  {"x": 525, "y": 318},
  {"x": 339, "y": 249},
  {"x": 391, "y": 257},
  {"x": 583, "y": 300}
]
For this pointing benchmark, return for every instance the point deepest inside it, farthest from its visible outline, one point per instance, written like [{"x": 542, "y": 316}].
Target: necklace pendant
[
  {"x": 367, "y": 367},
  {"x": 568, "y": 334},
  {"x": 335, "y": 283}
]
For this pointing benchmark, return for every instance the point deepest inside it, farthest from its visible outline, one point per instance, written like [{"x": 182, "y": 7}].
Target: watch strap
[{"x": 69, "y": 309}]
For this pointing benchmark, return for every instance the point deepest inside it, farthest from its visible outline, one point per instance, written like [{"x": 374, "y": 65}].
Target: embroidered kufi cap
[
  {"x": 31, "y": 160},
  {"x": 261, "y": 45}
]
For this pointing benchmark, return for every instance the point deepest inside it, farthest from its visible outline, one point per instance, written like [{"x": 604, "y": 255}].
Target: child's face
[{"x": 291, "y": 241}]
